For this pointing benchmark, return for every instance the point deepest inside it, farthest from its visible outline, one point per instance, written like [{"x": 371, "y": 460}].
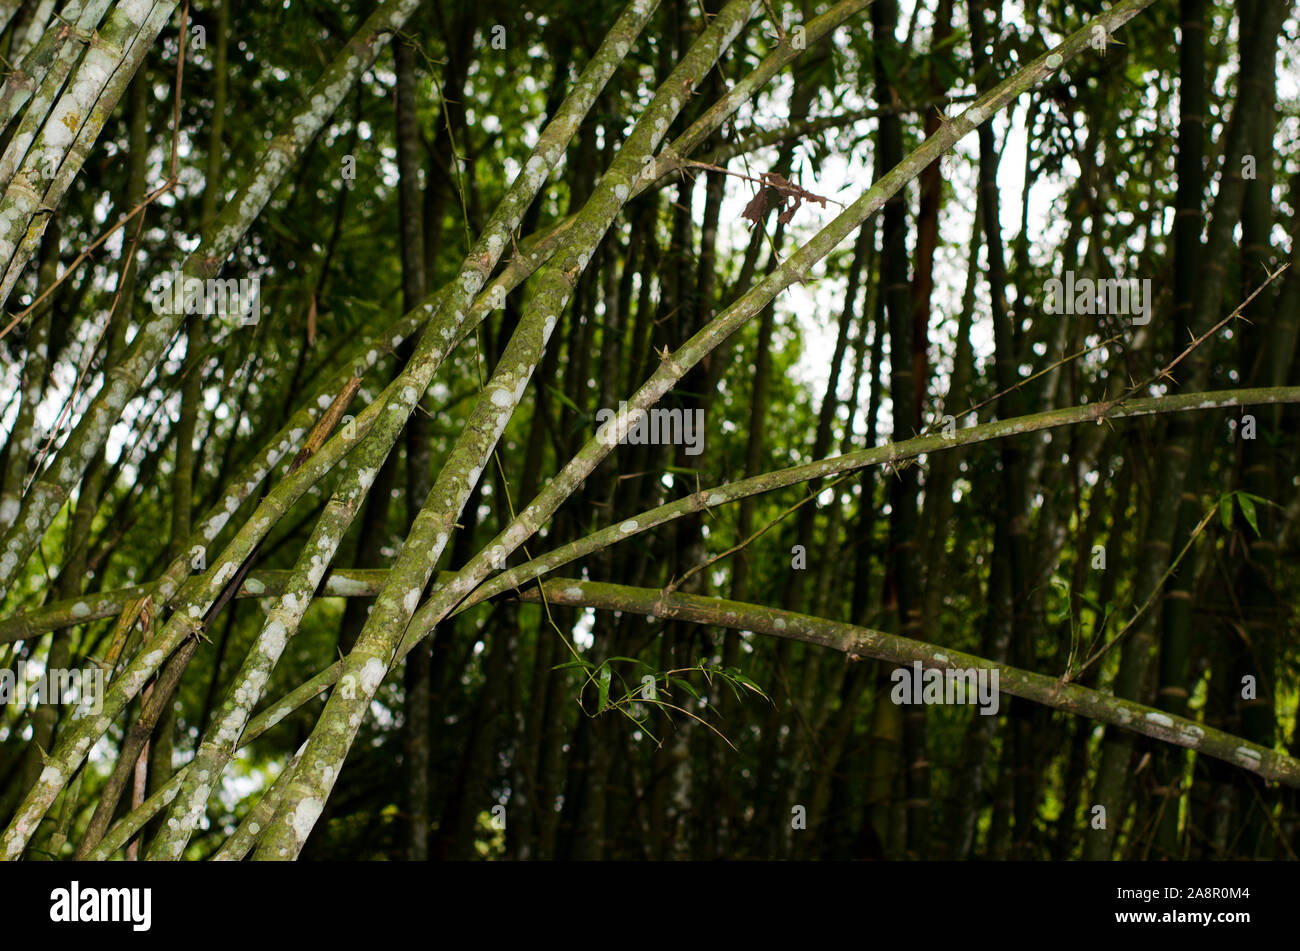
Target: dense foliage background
[{"x": 1167, "y": 152}]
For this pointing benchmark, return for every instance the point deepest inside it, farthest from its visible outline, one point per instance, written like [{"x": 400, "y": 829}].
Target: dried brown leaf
[
  {"x": 785, "y": 216},
  {"x": 756, "y": 208}
]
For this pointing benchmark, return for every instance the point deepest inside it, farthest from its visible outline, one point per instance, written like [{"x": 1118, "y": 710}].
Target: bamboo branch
[
  {"x": 705, "y": 499},
  {"x": 861, "y": 642},
  {"x": 376, "y": 646},
  {"x": 795, "y": 268},
  {"x": 51, "y": 491}
]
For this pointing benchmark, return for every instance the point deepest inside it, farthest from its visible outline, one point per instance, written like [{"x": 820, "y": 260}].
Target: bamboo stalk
[
  {"x": 369, "y": 660},
  {"x": 51, "y": 491},
  {"x": 674, "y": 366},
  {"x": 283, "y": 620},
  {"x": 861, "y": 642}
]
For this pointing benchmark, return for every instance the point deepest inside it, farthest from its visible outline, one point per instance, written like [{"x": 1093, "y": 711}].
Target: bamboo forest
[{"x": 651, "y": 430}]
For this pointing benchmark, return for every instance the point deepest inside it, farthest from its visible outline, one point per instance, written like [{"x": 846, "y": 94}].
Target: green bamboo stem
[
  {"x": 436, "y": 341},
  {"x": 367, "y": 664},
  {"x": 259, "y": 818},
  {"x": 70, "y": 130},
  {"x": 125, "y": 828},
  {"x": 706, "y": 499},
  {"x": 110, "y": 44},
  {"x": 795, "y": 268},
  {"x": 805, "y": 127},
  {"x": 23, "y": 43},
  {"x": 51, "y": 491},
  {"x": 59, "y": 45},
  {"x": 861, "y": 642},
  {"x": 269, "y": 583}
]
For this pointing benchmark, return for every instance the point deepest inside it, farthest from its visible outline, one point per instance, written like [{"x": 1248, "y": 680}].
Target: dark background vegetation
[{"x": 931, "y": 309}]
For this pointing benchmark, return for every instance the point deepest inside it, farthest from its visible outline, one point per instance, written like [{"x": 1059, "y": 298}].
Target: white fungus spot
[
  {"x": 273, "y": 639},
  {"x": 305, "y": 816},
  {"x": 372, "y": 674}
]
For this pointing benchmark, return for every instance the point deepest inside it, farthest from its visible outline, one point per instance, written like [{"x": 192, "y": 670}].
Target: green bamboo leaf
[
  {"x": 1248, "y": 509},
  {"x": 1259, "y": 499},
  {"x": 745, "y": 681},
  {"x": 565, "y": 400},
  {"x": 629, "y": 660},
  {"x": 575, "y": 663},
  {"x": 1225, "y": 511},
  {"x": 685, "y": 685}
]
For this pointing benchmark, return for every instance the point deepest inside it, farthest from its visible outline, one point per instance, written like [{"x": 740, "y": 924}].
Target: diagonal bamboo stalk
[
  {"x": 38, "y": 166},
  {"x": 369, "y": 661},
  {"x": 283, "y": 620},
  {"x": 59, "y": 46},
  {"x": 51, "y": 491},
  {"x": 674, "y": 366}
]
